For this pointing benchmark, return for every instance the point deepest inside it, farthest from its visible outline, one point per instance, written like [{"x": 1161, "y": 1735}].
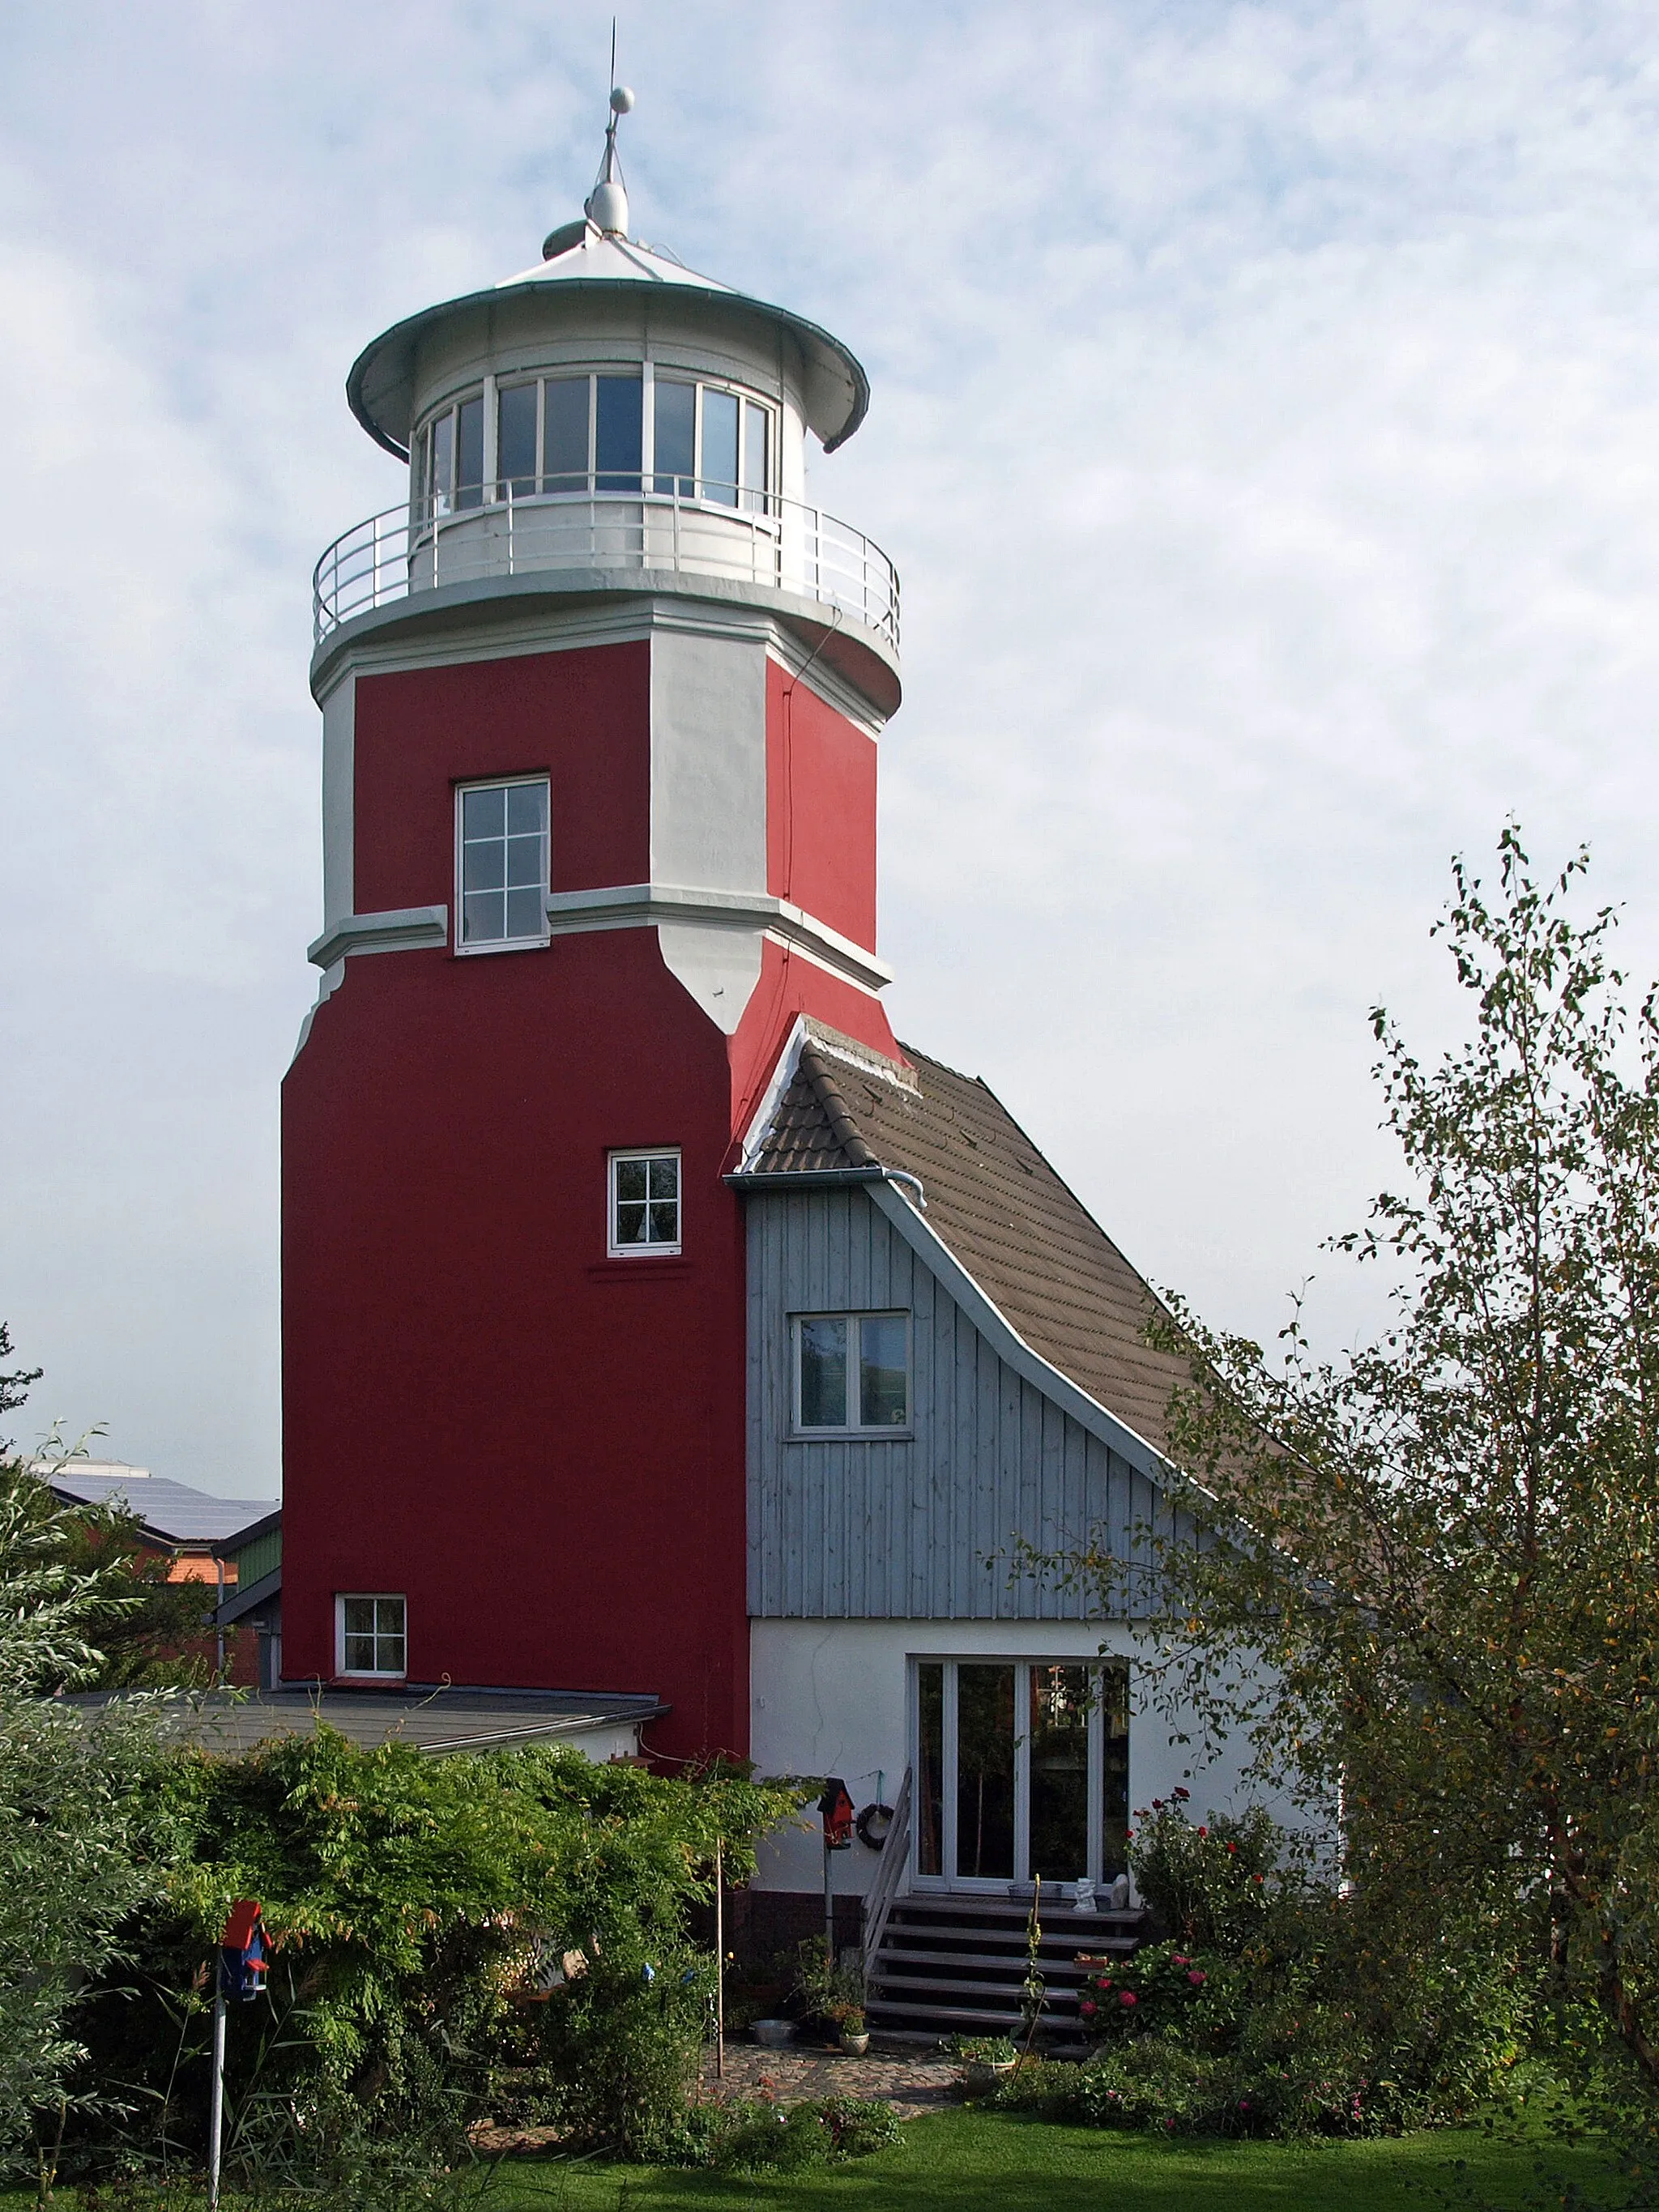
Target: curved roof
[{"x": 381, "y": 385}]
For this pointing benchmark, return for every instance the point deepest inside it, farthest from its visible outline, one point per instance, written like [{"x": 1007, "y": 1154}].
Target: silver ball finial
[{"x": 622, "y": 99}]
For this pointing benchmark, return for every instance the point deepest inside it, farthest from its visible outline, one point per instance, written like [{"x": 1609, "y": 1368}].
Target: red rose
[
  {"x": 1181, "y": 1793},
  {"x": 1127, "y": 1997},
  {"x": 1203, "y": 1832},
  {"x": 1196, "y": 1978},
  {"x": 1087, "y": 2008}
]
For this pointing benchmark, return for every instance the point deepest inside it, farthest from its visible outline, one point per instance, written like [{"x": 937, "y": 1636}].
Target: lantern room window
[
  {"x": 645, "y": 1203},
  {"x": 852, "y": 1373},
  {"x": 371, "y": 1635},
  {"x": 591, "y": 434},
  {"x": 501, "y": 865}
]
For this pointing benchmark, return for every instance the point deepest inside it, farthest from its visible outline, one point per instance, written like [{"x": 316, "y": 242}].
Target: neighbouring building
[{"x": 655, "y": 1324}]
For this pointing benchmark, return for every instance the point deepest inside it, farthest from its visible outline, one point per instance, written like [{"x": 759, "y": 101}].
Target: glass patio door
[{"x": 1021, "y": 1769}]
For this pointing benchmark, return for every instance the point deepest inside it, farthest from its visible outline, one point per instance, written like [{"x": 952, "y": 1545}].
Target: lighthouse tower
[{"x": 601, "y": 695}]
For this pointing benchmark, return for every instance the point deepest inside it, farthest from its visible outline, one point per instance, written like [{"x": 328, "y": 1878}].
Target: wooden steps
[{"x": 954, "y": 1965}]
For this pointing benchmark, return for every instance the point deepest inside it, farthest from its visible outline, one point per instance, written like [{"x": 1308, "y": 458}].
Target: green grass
[
  {"x": 990, "y": 2162},
  {"x": 987, "y": 2162}
]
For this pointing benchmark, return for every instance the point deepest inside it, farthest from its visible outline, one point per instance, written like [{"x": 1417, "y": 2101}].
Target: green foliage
[
  {"x": 983, "y": 2050},
  {"x": 832, "y": 1992},
  {"x": 1427, "y": 1583},
  {"x": 762, "y": 2137},
  {"x": 152, "y": 1633},
  {"x": 452, "y": 1935}
]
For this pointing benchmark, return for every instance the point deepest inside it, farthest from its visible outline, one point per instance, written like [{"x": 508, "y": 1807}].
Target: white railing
[
  {"x": 504, "y": 530},
  {"x": 890, "y": 1875}
]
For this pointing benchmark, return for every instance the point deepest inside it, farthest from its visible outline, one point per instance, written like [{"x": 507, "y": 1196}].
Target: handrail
[
  {"x": 607, "y": 521},
  {"x": 890, "y": 1874}
]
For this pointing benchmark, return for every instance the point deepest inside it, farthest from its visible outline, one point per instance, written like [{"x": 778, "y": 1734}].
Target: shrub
[
  {"x": 1212, "y": 1885},
  {"x": 825, "y": 2132}
]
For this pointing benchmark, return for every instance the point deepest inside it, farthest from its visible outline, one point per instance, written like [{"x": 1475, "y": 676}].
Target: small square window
[
  {"x": 371, "y": 1635},
  {"x": 645, "y": 1203},
  {"x": 501, "y": 879},
  {"x": 852, "y": 1372}
]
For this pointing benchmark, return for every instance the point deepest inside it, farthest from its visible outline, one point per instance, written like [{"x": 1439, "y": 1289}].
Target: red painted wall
[
  {"x": 820, "y": 809},
  {"x": 543, "y": 1449}
]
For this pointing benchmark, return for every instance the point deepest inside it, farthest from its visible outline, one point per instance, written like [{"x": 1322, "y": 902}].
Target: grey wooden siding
[{"x": 918, "y": 1528}]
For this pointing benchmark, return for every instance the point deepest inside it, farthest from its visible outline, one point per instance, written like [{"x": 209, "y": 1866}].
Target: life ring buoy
[{"x": 872, "y": 1826}]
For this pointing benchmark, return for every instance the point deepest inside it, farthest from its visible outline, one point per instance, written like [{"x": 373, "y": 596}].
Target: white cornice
[
  {"x": 643, "y": 906},
  {"x": 405, "y": 929}
]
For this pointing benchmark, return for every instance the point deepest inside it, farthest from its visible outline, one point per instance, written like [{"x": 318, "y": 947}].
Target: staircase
[{"x": 954, "y": 1964}]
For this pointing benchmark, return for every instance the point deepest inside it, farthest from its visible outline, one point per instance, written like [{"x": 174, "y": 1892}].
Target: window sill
[
  {"x": 622, "y": 1266},
  {"x": 370, "y": 1681},
  {"x": 503, "y": 945},
  {"x": 851, "y": 1436}
]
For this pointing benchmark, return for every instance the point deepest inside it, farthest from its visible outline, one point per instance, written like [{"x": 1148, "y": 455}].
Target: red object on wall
[{"x": 540, "y": 1447}]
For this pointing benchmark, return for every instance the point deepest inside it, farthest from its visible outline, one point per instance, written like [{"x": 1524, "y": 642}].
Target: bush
[
  {"x": 444, "y": 1930},
  {"x": 760, "y": 2137}
]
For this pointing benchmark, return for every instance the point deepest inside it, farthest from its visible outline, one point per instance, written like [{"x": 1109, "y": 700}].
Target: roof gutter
[{"x": 818, "y": 1178}]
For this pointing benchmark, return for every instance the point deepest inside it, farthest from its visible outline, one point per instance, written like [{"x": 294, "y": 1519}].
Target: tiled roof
[{"x": 1029, "y": 1242}]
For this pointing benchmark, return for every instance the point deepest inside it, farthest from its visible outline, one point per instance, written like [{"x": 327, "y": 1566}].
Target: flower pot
[
  {"x": 855, "y": 2045},
  {"x": 773, "y": 2033},
  {"x": 981, "y": 2076}
]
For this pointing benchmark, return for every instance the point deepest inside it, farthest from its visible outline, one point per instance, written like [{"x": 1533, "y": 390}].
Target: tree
[
  {"x": 1428, "y": 1582},
  {"x": 78, "y": 1846}
]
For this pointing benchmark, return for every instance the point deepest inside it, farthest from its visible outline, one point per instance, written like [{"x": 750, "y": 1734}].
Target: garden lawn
[{"x": 991, "y": 2162}]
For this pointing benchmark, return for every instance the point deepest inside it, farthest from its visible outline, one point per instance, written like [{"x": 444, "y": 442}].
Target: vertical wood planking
[{"x": 873, "y": 1528}]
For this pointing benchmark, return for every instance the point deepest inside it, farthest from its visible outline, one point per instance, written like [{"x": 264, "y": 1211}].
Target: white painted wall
[{"x": 830, "y": 1696}]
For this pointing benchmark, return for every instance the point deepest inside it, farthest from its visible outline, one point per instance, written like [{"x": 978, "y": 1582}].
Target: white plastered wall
[
  {"x": 708, "y": 804},
  {"x": 831, "y": 1697}
]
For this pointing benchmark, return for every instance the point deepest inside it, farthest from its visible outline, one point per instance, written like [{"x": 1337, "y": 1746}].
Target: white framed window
[
  {"x": 449, "y": 454},
  {"x": 501, "y": 864},
  {"x": 644, "y": 1204},
  {"x": 852, "y": 1373},
  {"x": 371, "y": 1635},
  {"x": 710, "y": 443},
  {"x": 582, "y": 432}
]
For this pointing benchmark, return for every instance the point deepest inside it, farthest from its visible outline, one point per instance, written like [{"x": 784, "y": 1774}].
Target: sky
[{"x": 1266, "y": 426}]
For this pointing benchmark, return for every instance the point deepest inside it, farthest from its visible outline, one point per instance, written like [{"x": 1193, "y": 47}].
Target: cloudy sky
[{"x": 1266, "y": 425}]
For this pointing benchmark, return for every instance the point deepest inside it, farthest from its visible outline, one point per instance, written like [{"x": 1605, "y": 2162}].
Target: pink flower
[
  {"x": 1181, "y": 1795},
  {"x": 1196, "y": 1978},
  {"x": 1087, "y": 2008},
  {"x": 1127, "y": 1997}
]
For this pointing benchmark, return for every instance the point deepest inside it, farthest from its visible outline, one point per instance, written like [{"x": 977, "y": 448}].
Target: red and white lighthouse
[{"x": 601, "y": 697}]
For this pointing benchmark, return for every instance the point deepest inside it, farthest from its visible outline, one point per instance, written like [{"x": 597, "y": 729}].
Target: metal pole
[
  {"x": 829, "y": 1902},
  {"x": 219, "y": 1619},
  {"x": 216, "y": 2108},
  {"x": 719, "y": 1964}
]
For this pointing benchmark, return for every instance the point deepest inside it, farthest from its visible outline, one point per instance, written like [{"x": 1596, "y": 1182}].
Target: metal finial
[{"x": 607, "y": 204}]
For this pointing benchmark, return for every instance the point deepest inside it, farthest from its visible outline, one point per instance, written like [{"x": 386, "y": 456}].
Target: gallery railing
[{"x": 607, "y": 522}]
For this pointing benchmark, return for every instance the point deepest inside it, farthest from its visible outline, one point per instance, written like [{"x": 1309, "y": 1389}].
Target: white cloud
[{"x": 1264, "y": 423}]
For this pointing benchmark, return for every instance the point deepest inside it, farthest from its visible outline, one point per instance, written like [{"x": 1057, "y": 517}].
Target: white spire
[{"x": 607, "y": 204}]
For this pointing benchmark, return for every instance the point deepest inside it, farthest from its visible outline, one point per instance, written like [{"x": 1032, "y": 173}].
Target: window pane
[
  {"x": 665, "y": 1175},
  {"x": 631, "y": 1179},
  {"x": 754, "y": 457},
  {"x": 483, "y": 864},
  {"x": 359, "y": 1616},
  {"x": 930, "y": 1768},
  {"x": 515, "y": 439},
  {"x": 483, "y": 917},
  {"x": 823, "y": 1374},
  {"x": 390, "y": 1660},
  {"x": 1113, "y": 1690},
  {"x": 389, "y": 1615},
  {"x": 883, "y": 1391},
  {"x": 484, "y": 813},
  {"x": 526, "y": 912},
  {"x": 443, "y": 463},
  {"x": 360, "y": 1655},
  {"x": 720, "y": 445},
  {"x": 664, "y": 1224},
  {"x": 564, "y": 435},
  {"x": 468, "y": 459},
  {"x": 617, "y": 433},
  {"x": 676, "y": 411},
  {"x": 1060, "y": 1773},
  {"x": 984, "y": 1771},
  {"x": 630, "y": 1222},
  {"x": 526, "y": 807},
  {"x": 524, "y": 859}
]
